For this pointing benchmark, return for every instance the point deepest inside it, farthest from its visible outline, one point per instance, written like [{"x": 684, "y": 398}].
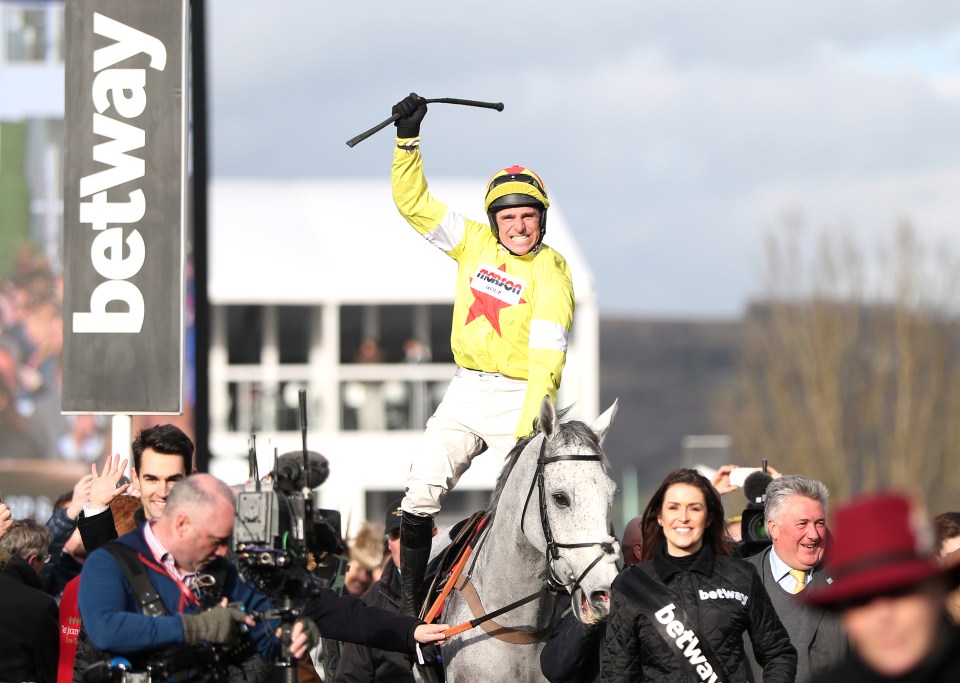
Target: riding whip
[{"x": 441, "y": 100}]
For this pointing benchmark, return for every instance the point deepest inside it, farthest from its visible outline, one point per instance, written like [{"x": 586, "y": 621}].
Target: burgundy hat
[{"x": 881, "y": 543}]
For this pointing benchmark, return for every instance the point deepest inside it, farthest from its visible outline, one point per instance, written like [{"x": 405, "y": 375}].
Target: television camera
[
  {"x": 283, "y": 545},
  {"x": 753, "y": 523}
]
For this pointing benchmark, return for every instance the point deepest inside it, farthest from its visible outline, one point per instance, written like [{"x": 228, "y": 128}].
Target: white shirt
[{"x": 781, "y": 572}]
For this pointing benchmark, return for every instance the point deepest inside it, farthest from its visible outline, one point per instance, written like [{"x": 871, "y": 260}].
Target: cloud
[{"x": 669, "y": 132}]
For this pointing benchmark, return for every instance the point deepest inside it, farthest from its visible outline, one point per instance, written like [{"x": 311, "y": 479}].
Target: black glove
[
  {"x": 219, "y": 625},
  {"x": 412, "y": 109}
]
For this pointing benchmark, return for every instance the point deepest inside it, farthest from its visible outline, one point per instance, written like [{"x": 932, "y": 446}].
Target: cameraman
[{"x": 191, "y": 536}]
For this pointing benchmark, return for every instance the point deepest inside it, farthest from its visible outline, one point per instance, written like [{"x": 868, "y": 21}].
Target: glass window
[
  {"x": 244, "y": 334},
  {"x": 440, "y": 317},
  {"x": 26, "y": 34},
  {"x": 396, "y": 327},
  {"x": 288, "y": 407},
  {"x": 247, "y": 401},
  {"x": 363, "y": 407},
  {"x": 351, "y": 331},
  {"x": 293, "y": 334},
  {"x": 392, "y": 327}
]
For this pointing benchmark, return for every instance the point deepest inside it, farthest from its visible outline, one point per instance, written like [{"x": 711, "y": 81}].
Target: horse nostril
[{"x": 600, "y": 600}]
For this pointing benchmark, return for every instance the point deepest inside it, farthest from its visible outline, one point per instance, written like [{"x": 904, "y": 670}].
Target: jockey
[{"x": 512, "y": 314}]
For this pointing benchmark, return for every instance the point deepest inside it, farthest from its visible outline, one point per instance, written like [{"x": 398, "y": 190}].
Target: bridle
[{"x": 556, "y": 583}]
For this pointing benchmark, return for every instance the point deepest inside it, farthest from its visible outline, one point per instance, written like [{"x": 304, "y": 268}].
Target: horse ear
[
  {"x": 602, "y": 423},
  {"x": 548, "y": 417}
]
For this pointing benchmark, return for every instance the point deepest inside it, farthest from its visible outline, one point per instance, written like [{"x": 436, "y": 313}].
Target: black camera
[
  {"x": 753, "y": 524},
  {"x": 278, "y": 530}
]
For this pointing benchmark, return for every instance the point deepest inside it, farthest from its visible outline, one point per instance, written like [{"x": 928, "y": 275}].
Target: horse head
[{"x": 568, "y": 517}]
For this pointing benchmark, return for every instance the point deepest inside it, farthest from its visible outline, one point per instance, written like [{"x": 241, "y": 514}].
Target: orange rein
[{"x": 452, "y": 580}]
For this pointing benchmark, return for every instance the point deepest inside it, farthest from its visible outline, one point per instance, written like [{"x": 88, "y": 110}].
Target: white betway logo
[
  {"x": 688, "y": 642},
  {"x": 125, "y": 90},
  {"x": 498, "y": 284},
  {"x": 724, "y": 594}
]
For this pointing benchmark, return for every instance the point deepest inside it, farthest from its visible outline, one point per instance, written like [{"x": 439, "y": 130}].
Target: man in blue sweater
[{"x": 181, "y": 551}]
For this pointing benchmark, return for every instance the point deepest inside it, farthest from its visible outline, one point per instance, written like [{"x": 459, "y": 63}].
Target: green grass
[{"x": 14, "y": 193}]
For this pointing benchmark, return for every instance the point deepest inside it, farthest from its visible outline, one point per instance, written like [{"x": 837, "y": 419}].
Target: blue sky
[{"x": 673, "y": 135}]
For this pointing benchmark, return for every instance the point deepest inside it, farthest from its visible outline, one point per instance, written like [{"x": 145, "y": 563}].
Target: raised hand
[
  {"x": 104, "y": 488},
  {"x": 721, "y": 480},
  {"x": 6, "y": 519},
  {"x": 412, "y": 109},
  {"x": 81, "y": 494}
]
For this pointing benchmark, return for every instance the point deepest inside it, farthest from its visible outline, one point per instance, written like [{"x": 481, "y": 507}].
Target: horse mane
[{"x": 573, "y": 432}]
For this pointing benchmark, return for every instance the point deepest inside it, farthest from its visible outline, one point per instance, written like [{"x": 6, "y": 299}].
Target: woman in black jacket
[{"x": 680, "y": 615}]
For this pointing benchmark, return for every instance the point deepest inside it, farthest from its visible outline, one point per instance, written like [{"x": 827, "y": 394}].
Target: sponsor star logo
[{"x": 491, "y": 293}]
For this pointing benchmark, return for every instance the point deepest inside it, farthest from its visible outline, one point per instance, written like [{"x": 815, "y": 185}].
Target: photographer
[{"x": 191, "y": 537}]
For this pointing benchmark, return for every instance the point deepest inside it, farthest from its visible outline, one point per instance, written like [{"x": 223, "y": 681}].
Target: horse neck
[{"x": 506, "y": 555}]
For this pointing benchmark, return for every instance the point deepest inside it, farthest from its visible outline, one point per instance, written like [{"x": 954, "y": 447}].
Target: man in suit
[{"x": 795, "y": 512}]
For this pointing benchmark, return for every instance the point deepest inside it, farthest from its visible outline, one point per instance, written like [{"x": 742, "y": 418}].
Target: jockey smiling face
[
  {"x": 518, "y": 228},
  {"x": 516, "y": 203}
]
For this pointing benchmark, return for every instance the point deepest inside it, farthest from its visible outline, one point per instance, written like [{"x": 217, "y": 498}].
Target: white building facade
[{"x": 300, "y": 274}]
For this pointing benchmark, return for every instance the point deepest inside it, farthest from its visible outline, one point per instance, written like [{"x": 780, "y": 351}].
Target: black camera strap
[
  {"x": 152, "y": 606},
  {"x": 672, "y": 623},
  {"x": 150, "y": 602}
]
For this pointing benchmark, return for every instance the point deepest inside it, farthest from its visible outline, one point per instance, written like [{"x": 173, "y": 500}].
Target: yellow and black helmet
[{"x": 516, "y": 186}]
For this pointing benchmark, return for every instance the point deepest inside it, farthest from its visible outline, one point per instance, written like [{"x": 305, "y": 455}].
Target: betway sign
[{"x": 124, "y": 206}]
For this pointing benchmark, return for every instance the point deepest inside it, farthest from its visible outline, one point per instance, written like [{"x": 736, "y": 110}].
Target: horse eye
[{"x": 561, "y": 500}]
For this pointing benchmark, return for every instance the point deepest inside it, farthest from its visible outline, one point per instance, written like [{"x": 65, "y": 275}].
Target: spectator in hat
[
  {"x": 889, "y": 590},
  {"x": 366, "y": 557}
]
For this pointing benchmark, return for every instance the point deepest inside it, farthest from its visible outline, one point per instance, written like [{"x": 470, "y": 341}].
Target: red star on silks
[{"x": 488, "y": 306}]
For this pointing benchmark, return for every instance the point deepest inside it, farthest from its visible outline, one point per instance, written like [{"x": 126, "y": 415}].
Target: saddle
[{"x": 439, "y": 574}]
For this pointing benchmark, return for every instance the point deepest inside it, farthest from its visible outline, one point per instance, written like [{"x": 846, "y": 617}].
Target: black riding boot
[{"x": 416, "y": 535}]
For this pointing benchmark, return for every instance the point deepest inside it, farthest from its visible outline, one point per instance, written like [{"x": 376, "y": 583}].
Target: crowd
[
  {"x": 871, "y": 597},
  {"x": 31, "y": 342},
  {"x": 142, "y": 569}
]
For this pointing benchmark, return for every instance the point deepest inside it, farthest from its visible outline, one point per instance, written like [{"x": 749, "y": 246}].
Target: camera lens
[{"x": 757, "y": 530}]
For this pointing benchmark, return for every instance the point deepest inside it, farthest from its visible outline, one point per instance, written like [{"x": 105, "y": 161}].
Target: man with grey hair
[
  {"x": 182, "y": 551},
  {"x": 795, "y": 512},
  {"x": 29, "y": 618}
]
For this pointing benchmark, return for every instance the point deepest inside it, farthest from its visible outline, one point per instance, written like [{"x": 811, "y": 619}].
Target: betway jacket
[
  {"x": 511, "y": 314},
  {"x": 723, "y": 598}
]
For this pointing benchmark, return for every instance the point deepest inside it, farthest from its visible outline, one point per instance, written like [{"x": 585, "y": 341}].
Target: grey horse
[{"x": 549, "y": 522}]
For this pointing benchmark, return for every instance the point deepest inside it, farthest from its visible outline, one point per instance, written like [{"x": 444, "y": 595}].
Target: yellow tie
[{"x": 801, "y": 577}]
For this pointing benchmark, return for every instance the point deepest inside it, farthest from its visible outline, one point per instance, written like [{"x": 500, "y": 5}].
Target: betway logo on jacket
[
  {"x": 724, "y": 594},
  {"x": 687, "y": 642},
  {"x": 498, "y": 284}
]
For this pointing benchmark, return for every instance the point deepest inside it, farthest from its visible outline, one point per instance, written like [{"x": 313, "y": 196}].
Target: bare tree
[{"x": 850, "y": 369}]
